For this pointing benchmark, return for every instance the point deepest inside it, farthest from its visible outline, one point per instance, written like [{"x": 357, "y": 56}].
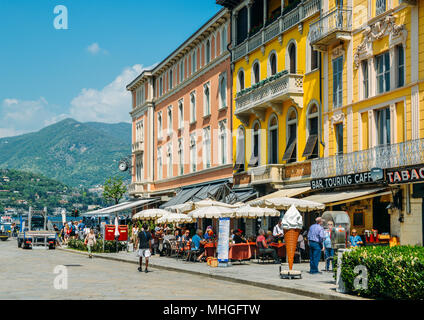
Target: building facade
[
  {"x": 372, "y": 111},
  {"x": 181, "y": 118}
]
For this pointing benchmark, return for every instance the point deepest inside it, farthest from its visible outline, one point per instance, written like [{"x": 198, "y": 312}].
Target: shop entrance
[{"x": 380, "y": 216}]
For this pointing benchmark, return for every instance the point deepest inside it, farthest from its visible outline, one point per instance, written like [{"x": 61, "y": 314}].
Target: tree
[{"x": 114, "y": 189}]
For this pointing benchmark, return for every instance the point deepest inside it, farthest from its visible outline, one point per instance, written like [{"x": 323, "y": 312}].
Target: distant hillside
[
  {"x": 75, "y": 153},
  {"x": 20, "y": 190}
]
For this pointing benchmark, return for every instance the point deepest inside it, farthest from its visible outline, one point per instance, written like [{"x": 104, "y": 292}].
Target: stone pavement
[{"x": 321, "y": 286}]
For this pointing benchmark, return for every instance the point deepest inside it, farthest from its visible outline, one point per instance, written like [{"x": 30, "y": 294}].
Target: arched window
[
  {"x": 272, "y": 64},
  {"x": 208, "y": 51},
  {"x": 254, "y": 159},
  {"x": 273, "y": 139},
  {"x": 292, "y": 58},
  {"x": 290, "y": 154},
  {"x": 240, "y": 149},
  {"x": 240, "y": 78},
  {"x": 311, "y": 147},
  {"x": 223, "y": 91},
  {"x": 255, "y": 73}
]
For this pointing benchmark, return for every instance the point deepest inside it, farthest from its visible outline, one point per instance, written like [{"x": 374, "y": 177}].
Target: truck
[{"x": 37, "y": 231}]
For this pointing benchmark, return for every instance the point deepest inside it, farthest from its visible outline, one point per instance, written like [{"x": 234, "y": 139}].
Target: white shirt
[{"x": 277, "y": 230}]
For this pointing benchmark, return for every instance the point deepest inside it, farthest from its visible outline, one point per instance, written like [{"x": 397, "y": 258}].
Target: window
[
  {"x": 207, "y": 147},
  {"x": 383, "y": 72},
  {"x": 182, "y": 71},
  {"x": 400, "y": 66},
  {"x": 180, "y": 157},
  {"x": 338, "y": 82},
  {"x": 171, "y": 76},
  {"x": 339, "y": 137},
  {"x": 139, "y": 167},
  {"x": 139, "y": 131},
  {"x": 160, "y": 125},
  {"x": 241, "y": 25},
  {"x": 255, "y": 73},
  {"x": 169, "y": 157},
  {"x": 222, "y": 141},
  {"x": 208, "y": 51},
  {"x": 206, "y": 100},
  {"x": 383, "y": 126},
  {"x": 240, "y": 78},
  {"x": 365, "y": 81},
  {"x": 193, "y": 107},
  {"x": 180, "y": 114},
  {"x": 193, "y": 62},
  {"x": 193, "y": 152},
  {"x": 160, "y": 86},
  {"x": 290, "y": 155},
  {"x": 254, "y": 159},
  {"x": 139, "y": 96},
  {"x": 314, "y": 59},
  {"x": 223, "y": 91},
  {"x": 273, "y": 140},
  {"x": 311, "y": 147},
  {"x": 169, "y": 120},
  {"x": 292, "y": 58},
  {"x": 224, "y": 39},
  {"x": 272, "y": 64},
  {"x": 240, "y": 150},
  {"x": 160, "y": 166},
  {"x": 380, "y": 7}
]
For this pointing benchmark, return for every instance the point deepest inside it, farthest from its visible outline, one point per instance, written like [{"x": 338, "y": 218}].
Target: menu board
[{"x": 223, "y": 239}]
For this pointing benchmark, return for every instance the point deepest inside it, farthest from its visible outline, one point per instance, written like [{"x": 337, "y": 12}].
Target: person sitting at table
[
  {"x": 269, "y": 237},
  {"x": 238, "y": 237},
  {"x": 278, "y": 231},
  {"x": 209, "y": 235},
  {"x": 186, "y": 236},
  {"x": 198, "y": 244},
  {"x": 263, "y": 246},
  {"x": 355, "y": 240},
  {"x": 177, "y": 235}
]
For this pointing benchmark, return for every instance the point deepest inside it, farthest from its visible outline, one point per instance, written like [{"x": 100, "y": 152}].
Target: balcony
[
  {"x": 135, "y": 188},
  {"x": 137, "y": 147},
  {"x": 385, "y": 156},
  {"x": 271, "y": 29},
  {"x": 333, "y": 26},
  {"x": 269, "y": 92},
  {"x": 270, "y": 173}
]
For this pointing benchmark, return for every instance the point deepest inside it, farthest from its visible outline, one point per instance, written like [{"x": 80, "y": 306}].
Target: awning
[
  {"x": 280, "y": 193},
  {"x": 335, "y": 198},
  {"x": 181, "y": 197},
  {"x": 121, "y": 207},
  {"x": 241, "y": 195}
]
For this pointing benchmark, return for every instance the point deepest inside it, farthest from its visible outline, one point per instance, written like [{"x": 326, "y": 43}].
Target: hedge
[
  {"x": 393, "y": 272},
  {"x": 110, "y": 246}
]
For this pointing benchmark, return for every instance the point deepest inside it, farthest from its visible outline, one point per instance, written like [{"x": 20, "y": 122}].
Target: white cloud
[
  {"x": 110, "y": 104},
  {"x": 94, "y": 49}
]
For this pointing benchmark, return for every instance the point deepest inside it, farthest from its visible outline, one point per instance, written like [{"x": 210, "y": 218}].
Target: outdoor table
[
  {"x": 280, "y": 247},
  {"x": 240, "y": 251},
  {"x": 253, "y": 249},
  {"x": 210, "y": 249}
]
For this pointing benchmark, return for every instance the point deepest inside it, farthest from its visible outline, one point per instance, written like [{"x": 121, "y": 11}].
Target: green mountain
[{"x": 75, "y": 153}]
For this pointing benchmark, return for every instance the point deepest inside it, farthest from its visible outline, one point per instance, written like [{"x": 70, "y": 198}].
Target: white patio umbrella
[
  {"x": 284, "y": 203},
  {"x": 247, "y": 211},
  {"x": 175, "y": 218},
  {"x": 212, "y": 212},
  {"x": 63, "y": 216},
  {"x": 150, "y": 214},
  {"x": 116, "y": 227}
]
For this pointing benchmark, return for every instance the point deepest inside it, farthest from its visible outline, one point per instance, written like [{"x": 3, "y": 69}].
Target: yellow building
[{"x": 372, "y": 61}]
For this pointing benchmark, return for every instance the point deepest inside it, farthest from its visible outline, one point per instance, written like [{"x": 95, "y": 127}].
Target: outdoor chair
[{"x": 263, "y": 256}]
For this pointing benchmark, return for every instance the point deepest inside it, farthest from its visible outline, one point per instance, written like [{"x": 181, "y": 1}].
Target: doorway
[{"x": 380, "y": 216}]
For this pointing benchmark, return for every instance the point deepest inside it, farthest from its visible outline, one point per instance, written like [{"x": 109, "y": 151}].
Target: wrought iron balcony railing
[
  {"x": 384, "y": 156},
  {"x": 269, "y": 31},
  {"x": 331, "y": 26}
]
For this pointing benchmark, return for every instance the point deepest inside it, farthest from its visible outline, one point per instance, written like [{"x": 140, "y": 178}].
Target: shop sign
[
  {"x": 405, "y": 175},
  {"x": 343, "y": 181}
]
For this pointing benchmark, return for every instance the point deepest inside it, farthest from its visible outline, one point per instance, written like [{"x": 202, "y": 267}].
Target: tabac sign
[
  {"x": 405, "y": 174},
  {"x": 352, "y": 179}
]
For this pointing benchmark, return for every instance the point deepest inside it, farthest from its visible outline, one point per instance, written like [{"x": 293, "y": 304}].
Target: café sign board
[
  {"x": 343, "y": 181},
  {"x": 405, "y": 175}
]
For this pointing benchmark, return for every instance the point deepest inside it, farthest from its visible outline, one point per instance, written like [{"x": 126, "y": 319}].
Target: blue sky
[{"x": 49, "y": 74}]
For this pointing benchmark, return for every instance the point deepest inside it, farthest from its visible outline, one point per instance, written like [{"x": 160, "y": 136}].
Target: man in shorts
[{"x": 145, "y": 246}]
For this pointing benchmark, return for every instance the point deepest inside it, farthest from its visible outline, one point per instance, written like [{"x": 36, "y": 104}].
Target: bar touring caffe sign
[{"x": 352, "y": 179}]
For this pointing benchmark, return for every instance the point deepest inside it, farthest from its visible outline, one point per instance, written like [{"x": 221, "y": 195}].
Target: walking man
[
  {"x": 315, "y": 239},
  {"x": 145, "y": 246}
]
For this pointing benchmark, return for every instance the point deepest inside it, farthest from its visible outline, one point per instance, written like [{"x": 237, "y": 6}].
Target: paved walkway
[{"x": 321, "y": 286}]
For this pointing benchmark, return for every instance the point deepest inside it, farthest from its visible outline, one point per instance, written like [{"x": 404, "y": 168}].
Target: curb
[{"x": 303, "y": 292}]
